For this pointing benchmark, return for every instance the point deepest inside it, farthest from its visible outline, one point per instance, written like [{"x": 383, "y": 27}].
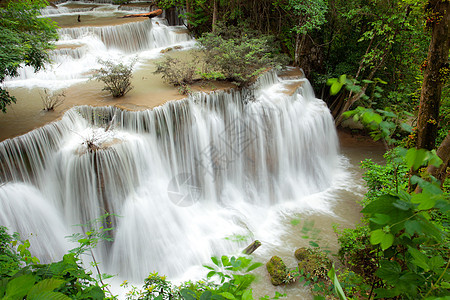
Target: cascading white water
[
  {"x": 81, "y": 44},
  {"x": 240, "y": 154}
]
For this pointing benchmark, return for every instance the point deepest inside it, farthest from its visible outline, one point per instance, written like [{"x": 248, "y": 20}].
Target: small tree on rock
[{"x": 116, "y": 77}]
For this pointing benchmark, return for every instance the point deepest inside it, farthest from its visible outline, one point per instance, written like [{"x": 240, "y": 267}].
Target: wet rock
[
  {"x": 277, "y": 270},
  {"x": 166, "y": 50},
  {"x": 314, "y": 262}
]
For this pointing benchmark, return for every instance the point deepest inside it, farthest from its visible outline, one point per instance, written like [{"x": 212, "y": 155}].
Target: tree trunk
[
  {"x": 432, "y": 82},
  {"x": 150, "y": 15},
  {"x": 443, "y": 152},
  {"x": 214, "y": 18}
]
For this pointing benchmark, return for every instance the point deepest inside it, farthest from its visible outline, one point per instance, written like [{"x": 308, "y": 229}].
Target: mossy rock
[
  {"x": 166, "y": 50},
  {"x": 277, "y": 270},
  {"x": 301, "y": 253},
  {"x": 314, "y": 262}
]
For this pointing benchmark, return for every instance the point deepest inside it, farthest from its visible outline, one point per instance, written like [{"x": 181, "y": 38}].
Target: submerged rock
[{"x": 277, "y": 270}]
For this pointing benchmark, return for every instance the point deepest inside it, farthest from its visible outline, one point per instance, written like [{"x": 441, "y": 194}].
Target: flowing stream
[{"x": 187, "y": 180}]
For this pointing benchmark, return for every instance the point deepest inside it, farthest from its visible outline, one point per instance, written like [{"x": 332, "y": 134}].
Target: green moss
[
  {"x": 277, "y": 270},
  {"x": 314, "y": 262}
]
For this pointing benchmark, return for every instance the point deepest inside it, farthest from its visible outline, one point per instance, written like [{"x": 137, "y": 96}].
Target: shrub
[
  {"x": 50, "y": 100},
  {"x": 239, "y": 53},
  {"x": 178, "y": 73},
  {"x": 116, "y": 77}
]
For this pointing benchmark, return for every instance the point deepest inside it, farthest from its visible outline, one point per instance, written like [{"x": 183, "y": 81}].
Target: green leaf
[
  {"x": 420, "y": 259},
  {"x": 206, "y": 295},
  {"x": 225, "y": 260},
  {"x": 413, "y": 226},
  {"x": 382, "y": 204},
  {"x": 406, "y": 127},
  {"x": 380, "y": 237},
  {"x": 335, "y": 88},
  {"x": 403, "y": 205},
  {"x": 336, "y": 285},
  {"x": 254, "y": 266},
  {"x": 19, "y": 287},
  {"x": 415, "y": 158},
  {"x": 376, "y": 236},
  {"x": 387, "y": 241},
  {"x": 216, "y": 261},
  {"x": 435, "y": 263},
  {"x": 247, "y": 295},
  {"x": 188, "y": 294},
  {"x": 330, "y": 81},
  {"x": 46, "y": 285},
  {"x": 343, "y": 79},
  {"x": 227, "y": 295},
  {"x": 389, "y": 270},
  {"x": 435, "y": 160},
  {"x": 380, "y": 219},
  {"x": 94, "y": 293},
  {"x": 425, "y": 200},
  {"x": 313, "y": 244},
  {"x": 50, "y": 296}
]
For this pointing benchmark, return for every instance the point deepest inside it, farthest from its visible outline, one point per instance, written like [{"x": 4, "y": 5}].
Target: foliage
[
  {"x": 406, "y": 236},
  {"x": 116, "y": 77},
  {"x": 51, "y": 100},
  {"x": 232, "y": 272},
  {"x": 25, "y": 278},
  {"x": 389, "y": 177},
  {"x": 24, "y": 40},
  {"x": 310, "y": 14},
  {"x": 178, "y": 73},
  {"x": 9, "y": 260},
  {"x": 238, "y": 53}
]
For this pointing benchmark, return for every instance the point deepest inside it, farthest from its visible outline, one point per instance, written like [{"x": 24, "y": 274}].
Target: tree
[
  {"x": 24, "y": 40},
  {"x": 435, "y": 74},
  {"x": 305, "y": 16},
  {"x": 116, "y": 77}
]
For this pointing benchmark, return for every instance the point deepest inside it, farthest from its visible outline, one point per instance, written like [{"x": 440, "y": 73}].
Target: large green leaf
[
  {"x": 425, "y": 200},
  {"x": 46, "y": 285},
  {"x": 415, "y": 158},
  {"x": 380, "y": 219},
  {"x": 336, "y": 285},
  {"x": 389, "y": 270},
  {"x": 49, "y": 296},
  {"x": 19, "y": 287}
]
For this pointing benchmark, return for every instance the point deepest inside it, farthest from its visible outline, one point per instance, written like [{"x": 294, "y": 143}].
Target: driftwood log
[
  {"x": 252, "y": 247},
  {"x": 150, "y": 15}
]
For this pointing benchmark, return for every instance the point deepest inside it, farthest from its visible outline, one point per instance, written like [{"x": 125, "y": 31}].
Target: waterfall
[
  {"x": 81, "y": 44},
  {"x": 182, "y": 176}
]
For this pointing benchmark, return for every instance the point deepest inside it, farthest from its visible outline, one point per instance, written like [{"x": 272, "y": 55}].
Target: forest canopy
[{"x": 24, "y": 40}]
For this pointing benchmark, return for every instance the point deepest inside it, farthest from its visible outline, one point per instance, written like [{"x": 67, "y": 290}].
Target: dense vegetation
[
  {"x": 24, "y": 40},
  {"x": 382, "y": 63}
]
